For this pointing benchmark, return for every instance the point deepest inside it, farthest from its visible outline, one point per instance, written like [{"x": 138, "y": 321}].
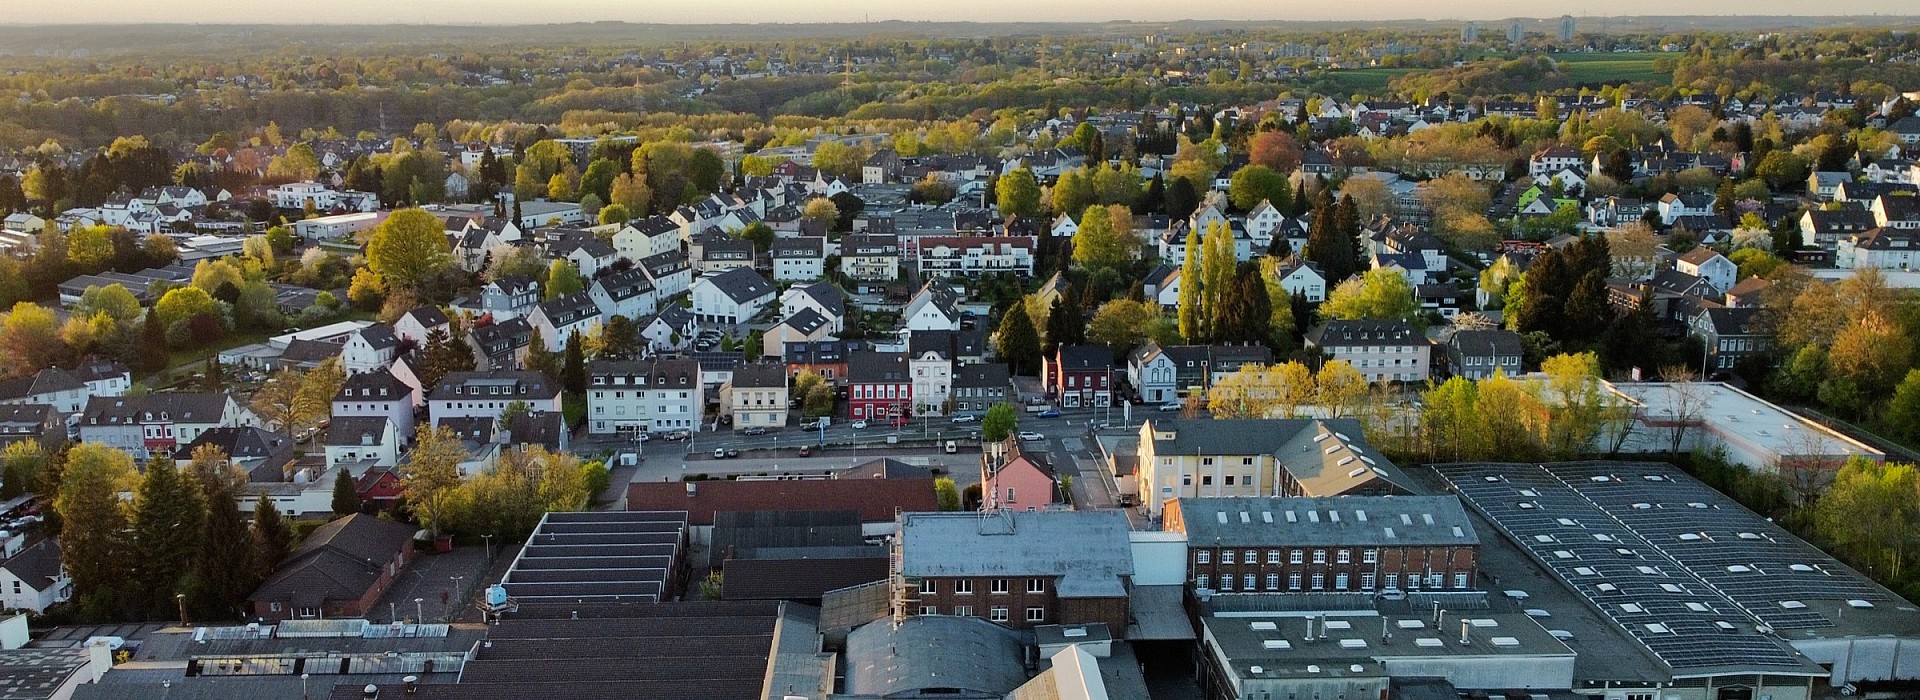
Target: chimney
[
  {"x": 370, "y": 692},
  {"x": 412, "y": 684},
  {"x": 1463, "y": 631},
  {"x": 99, "y": 659}
]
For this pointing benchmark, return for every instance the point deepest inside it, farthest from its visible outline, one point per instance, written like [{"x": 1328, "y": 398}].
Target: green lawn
[{"x": 1611, "y": 67}]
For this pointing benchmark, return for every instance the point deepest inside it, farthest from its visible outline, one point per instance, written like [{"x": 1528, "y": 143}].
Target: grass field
[{"x": 1611, "y": 67}]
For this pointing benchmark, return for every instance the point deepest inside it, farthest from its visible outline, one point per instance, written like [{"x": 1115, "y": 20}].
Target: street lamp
[{"x": 487, "y": 542}]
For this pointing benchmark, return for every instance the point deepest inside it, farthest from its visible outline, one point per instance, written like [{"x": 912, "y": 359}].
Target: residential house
[
  {"x": 370, "y": 349},
  {"x": 1480, "y": 354},
  {"x": 1151, "y": 371},
  {"x": 540, "y": 213},
  {"x": 731, "y": 297},
  {"x": 1162, "y": 286},
  {"x": 51, "y": 386},
  {"x": 1080, "y": 375},
  {"x": 673, "y": 328},
  {"x": 1552, "y": 160},
  {"x": 870, "y": 257},
  {"x": 35, "y": 579},
  {"x": 564, "y": 317},
  {"x": 879, "y": 386},
  {"x": 1300, "y": 276},
  {"x": 647, "y": 237},
  {"x": 1382, "y": 351},
  {"x": 801, "y": 259},
  {"x": 1882, "y": 248},
  {"x": 378, "y": 395},
  {"x": 1345, "y": 544},
  {"x": 1013, "y": 479},
  {"x": 487, "y": 394},
  {"x": 977, "y": 387},
  {"x": 502, "y": 345},
  {"x": 1020, "y": 569},
  {"x": 934, "y": 308},
  {"x": 1730, "y": 335},
  {"x": 158, "y": 423},
  {"x": 1826, "y": 227},
  {"x": 502, "y": 299},
  {"x": 1064, "y": 226},
  {"x": 724, "y": 253},
  {"x": 366, "y": 441},
  {"x": 414, "y": 326},
  {"x": 1262, "y": 222},
  {"x": 931, "y": 356},
  {"x": 971, "y": 256},
  {"x": 262, "y": 454},
  {"x": 807, "y": 326},
  {"x": 821, "y": 297},
  {"x": 1709, "y": 265},
  {"x": 670, "y": 273},
  {"x": 756, "y": 396},
  {"x": 827, "y": 358},
  {"x": 625, "y": 293},
  {"x": 641, "y": 396},
  {"x": 881, "y": 167},
  {"x": 1896, "y": 211},
  {"x": 1822, "y": 184},
  {"x": 1673, "y": 206},
  {"x": 1180, "y": 458},
  {"x": 37, "y": 422},
  {"x": 339, "y": 571}
]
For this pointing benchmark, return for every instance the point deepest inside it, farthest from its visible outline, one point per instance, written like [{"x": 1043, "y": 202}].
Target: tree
[
  {"x": 839, "y": 159},
  {"x": 1328, "y": 247},
  {"x": 1073, "y": 192},
  {"x": 224, "y": 570},
  {"x": 432, "y": 473},
  {"x": 346, "y": 495},
  {"x": 1097, "y": 244},
  {"x": 279, "y": 401},
  {"x": 29, "y": 339},
  {"x": 615, "y": 214},
  {"x": 821, "y": 210},
  {"x": 1019, "y": 341},
  {"x": 1253, "y": 184},
  {"x": 1275, "y": 150},
  {"x": 631, "y": 194},
  {"x": 443, "y": 355},
  {"x": 1783, "y": 171},
  {"x": 619, "y": 340},
  {"x": 1122, "y": 324},
  {"x": 563, "y": 278},
  {"x": 169, "y": 517},
  {"x": 760, "y": 234},
  {"x": 945, "y": 494},
  {"x": 1868, "y": 491},
  {"x": 573, "y": 368},
  {"x": 409, "y": 249},
  {"x": 1192, "y": 322},
  {"x": 999, "y": 423},
  {"x": 1245, "y": 310},
  {"x": 272, "y": 537},
  {"x": 1018, "y": 194},
  {"x": 1065, "y": 326},
  {"x": 1371, "y": 198},
  {"x": 93, "y": 531},
  {"x": 1873, "y": 352},
  {"x": 113, "y": 300},
  {"x": 1902, "y": 417},
  {"x": 1380, "y": 294}
]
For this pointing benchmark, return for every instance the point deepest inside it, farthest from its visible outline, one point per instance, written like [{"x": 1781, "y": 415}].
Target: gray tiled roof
[
  {"x": 1016, "y": 543},
  {"x": 1386, "y": 521},
  {"x": 741, "y": 284}
]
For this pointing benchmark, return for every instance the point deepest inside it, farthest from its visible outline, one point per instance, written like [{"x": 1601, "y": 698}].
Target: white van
[{"x": 953, "y": 446}]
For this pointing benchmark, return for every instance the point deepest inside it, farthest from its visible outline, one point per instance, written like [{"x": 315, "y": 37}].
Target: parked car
[
  {"x": 806, "y": 450},
  {"x": 643, "y": 437},
  {"x": 732, "y": 453},
  {"x": 1030, "y": 435},
  {"x": 965, "y": 418},
  {"x": 1050, "y": 413},
  {"x": 719, "y": 453},
  {"x": 1172, "y": 406},
  {"x": 859, "y": 425},
  {"x": 754, "y": 431}
]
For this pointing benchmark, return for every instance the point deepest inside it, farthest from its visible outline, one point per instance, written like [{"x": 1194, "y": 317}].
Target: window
[
  {"x": 1460, "y": 580},
  {"x": 272, "y": 607},
  {"x": 1036, "y": 614},
  {"x": 1393, "y": 581},
  {"x": 1036, "y": 585},
  {"x": 1319, "y": 556},
  {"x": 1253, "y": 557},
  {"x": 1206, "y": 480},
  {"x": 1226, "y": 556},
  {"x": 1343, "y": 557},
  {"x": 1246, "y": 582},
  {"x": 1340, "y": 581},
  {"x": 1200, "y": 581},
  {"x": 1436, "y": 580},
  {"x": 1273, "y": 556},
  {"x": 930, "y": 586},
  {"x": 997, "y": 613},
  {"x": 1186, "y": 479},
  {"x": 1273, "y": 582},
  {"x": 1366, "y": 582},
  {"x": 1294, "y": 557},
  {"x": 1226, "y": 582},
  {"x": 1413, "y": 582},
  {"x": 1229, "y": 479},
  {"x": 309, "y": 612},
  {"x": 999, "y": 586},
  {"x": 1293, "y": 582},
  {"x": 1319, "y": 581},
  {"x": 963, "y": 610},
  {"x": 963, "y": 587},
  {"x": 1203, "y": 557},
  {"x": 1371, "y": 556},
  {"x": 929, "y": 609}
]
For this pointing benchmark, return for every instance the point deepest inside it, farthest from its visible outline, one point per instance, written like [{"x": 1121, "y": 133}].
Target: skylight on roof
[
  {"x": 1428, "y": 642},
  {"x": 1353, "y": 643}
]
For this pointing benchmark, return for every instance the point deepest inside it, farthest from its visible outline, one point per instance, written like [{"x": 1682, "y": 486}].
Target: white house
[
  {"x": 731, "y": 297},
  {"x": 797, "y": 329},
  {"x": 1673, "y": 206},
  {"x": 369, "y": 349},
  {"x": 673, "y": 328},
  {"x": 504, "y": 299},
  {"x": 487, "y": 394},
  {"x": 870, "y": 257},
  {"x": 1882, "y": 248},
  {"x": 1064, "y": 226},
  {"x": 582, "y": 248},
  {"x": 34, "y": 579},
  {"x": 1706, "y": 264},
  {"x": 356, "y": 439},
  {"x": 799, "y": 259},
  {"x": 934, "y": 308},
  {"x": 647, "y": 237},
  {"x": 1552, "y": 160},
  {"x": 378, "y": 395},
  {"x": 1262, "y": 222},
  {"x": 562, "y": 317},
  {"x": 644, "y": 396},
  {"x": 670, "y": 273},
  {"x": 1299, "y": 276},
  {"x": 415, "y": 325},
  {"x": 942, "y": 256},
  {"x": 1151, "y": 371},
  {"x": 1383, "y": 351},
  {"x": 930, "y": 360},
  {"x": 823, "y": 298},
  {"x": 626, "y": 293}
]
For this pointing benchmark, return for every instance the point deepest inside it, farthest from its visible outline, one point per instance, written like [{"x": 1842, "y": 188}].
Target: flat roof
[
  {"x": 1359, "y": 643},
  {"x": 1089, "y": 548},
  {"x": 1738, "y": 417},
  {"x": 1705, "y": 585}
]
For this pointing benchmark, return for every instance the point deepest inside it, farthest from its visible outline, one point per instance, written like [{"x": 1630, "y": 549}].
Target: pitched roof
[
  {"x": 45, "y": 381},
  {"x": 1085, "y": 357},
  {"x": 760, "y": 375},
  {"x": 1090, "y": 546},
  {"x": 504, "y": 384},
  {"x": 741, "y": 284},
  {"x": 982, "y": 375},
  {"x": 380, "y": 336},
  {"x": 804, "y": 247},
  {"x": 178, "y": 407},
  {"x": 1491, "y": 342},
  {"x": 378, "y": 385},
  {"x": 428, "y": 315},
  {"x": 806, "y": 321},
  {"x": 928, "y": 655},
  {"x": 570, "y": 309},
  {"x": 37, "y": 566},
  {"x": 1364, "y": 333},
  {"x": 1699, "y": 255},
  {"x": 1733, "y": 321},
  {"x": 624, "y": 284},
  {"x": 357, "y": 430},
  {"x": 339, "y": 561},
  {"x": 870, "y": 366},
  {"x": 824, "y": 294},
  {"x": 652, "y": 372}
]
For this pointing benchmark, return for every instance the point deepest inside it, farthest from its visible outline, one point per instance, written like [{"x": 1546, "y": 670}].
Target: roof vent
[
  {"x": 1256, "y": 670},
  {"x": 1280, "y": 644}
]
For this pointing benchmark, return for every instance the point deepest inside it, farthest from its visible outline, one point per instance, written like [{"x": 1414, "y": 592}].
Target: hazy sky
[{"x": 724, "y": 11}]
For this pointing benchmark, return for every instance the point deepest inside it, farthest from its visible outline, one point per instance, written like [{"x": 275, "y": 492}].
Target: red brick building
[
  {"x": 339, "y": 571},
  {"x": 1080, "y": 375},
  {"x": 1319, "y": 545},
  {"x": 1016, "y": 568},
  {"x": 879, "y": 387}
]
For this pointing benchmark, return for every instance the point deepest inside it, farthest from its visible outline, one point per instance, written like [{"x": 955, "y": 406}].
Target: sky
[{"x": 795, "y": 11}]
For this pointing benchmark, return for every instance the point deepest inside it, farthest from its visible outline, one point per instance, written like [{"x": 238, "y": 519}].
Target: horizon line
[{"x": 401, "y": 23}]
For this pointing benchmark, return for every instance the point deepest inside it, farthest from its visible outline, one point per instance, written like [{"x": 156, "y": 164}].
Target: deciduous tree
[{"x": 409, "y": 249}]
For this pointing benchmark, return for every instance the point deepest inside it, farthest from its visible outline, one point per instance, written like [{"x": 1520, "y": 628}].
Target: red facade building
[{"x": 879, "y": 388}]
